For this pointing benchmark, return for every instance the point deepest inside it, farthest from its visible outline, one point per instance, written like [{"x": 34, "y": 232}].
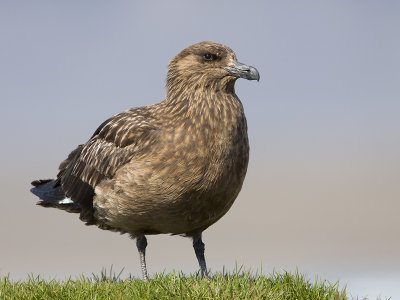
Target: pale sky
[{"x": 322, "y": 190}]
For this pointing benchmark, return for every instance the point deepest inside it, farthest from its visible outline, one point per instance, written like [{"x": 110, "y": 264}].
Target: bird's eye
[{"x": 208, "y": 56}]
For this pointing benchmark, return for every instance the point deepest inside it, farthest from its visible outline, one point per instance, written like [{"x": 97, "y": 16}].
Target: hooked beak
[{"x": 243, "y": 71}]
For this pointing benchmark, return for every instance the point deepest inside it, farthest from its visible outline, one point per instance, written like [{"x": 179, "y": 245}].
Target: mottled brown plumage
[{"x": 172, "y": 167}]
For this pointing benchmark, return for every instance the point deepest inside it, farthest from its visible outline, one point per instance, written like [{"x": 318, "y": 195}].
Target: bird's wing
[{"x": 112, "y": 145}]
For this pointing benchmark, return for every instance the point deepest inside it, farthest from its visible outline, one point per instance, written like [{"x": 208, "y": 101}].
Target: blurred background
[{"x": 322, "y": 190}]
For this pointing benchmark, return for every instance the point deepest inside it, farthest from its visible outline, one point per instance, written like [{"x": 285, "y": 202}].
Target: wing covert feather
[{"x": 112, "y": 145}]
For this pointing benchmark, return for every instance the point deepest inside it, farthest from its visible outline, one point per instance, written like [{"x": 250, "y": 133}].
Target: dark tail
[{"x": 51, "y": 194}]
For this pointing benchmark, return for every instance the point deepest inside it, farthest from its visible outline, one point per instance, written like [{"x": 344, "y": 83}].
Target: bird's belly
[
  {"x": 183, "y": 196},
  {"x": 192, "y": 213},
  {"x": 156, "y": 213}
]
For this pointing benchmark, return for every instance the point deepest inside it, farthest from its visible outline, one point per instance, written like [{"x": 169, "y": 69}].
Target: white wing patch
[{"x": 65, "y": 201}]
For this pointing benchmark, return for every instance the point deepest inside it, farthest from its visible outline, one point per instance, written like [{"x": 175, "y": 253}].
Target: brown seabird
[{"x": 172, "y": 167}]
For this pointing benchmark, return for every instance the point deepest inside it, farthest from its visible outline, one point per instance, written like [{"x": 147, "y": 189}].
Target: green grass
[{"x": 236, "y": 285}]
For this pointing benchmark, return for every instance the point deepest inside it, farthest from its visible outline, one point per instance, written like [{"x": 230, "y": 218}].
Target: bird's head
[{"x": 207, "y": 65}]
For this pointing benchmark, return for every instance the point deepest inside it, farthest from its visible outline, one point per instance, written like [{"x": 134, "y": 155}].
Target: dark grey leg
[
  {"x": 141, "y": 244},
  {"x": 199, "y": 247}
]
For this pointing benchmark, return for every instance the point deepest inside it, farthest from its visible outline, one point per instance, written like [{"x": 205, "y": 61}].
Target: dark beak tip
[{"x": 255, "y": 74}]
